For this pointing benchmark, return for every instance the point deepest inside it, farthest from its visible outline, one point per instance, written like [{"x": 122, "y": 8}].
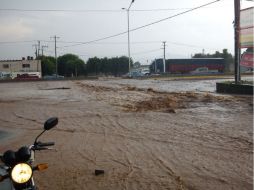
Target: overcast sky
[{"x": 208, "y": 28}]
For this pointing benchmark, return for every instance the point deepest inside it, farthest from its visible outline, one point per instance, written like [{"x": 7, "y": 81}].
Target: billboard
[
  {"x": 246, "y": 27},
  {"x": 247, "y": 60}
]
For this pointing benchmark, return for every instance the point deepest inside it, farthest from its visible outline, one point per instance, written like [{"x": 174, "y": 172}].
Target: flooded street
[{"x": 145, "y": 134}]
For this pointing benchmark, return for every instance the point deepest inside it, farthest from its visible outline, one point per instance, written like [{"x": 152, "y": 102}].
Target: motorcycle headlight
[{"x": 21, "y": 173}]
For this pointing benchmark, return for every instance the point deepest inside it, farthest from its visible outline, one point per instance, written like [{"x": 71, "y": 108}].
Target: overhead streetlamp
[{"x": 128, "y": 20}]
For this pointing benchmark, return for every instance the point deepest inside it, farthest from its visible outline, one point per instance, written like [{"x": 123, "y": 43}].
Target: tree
[
  {"x": 137, "y": 64},
  {"x": 70, "y": 65},
  {"x": 114, "y": 66},
  {"x": 92, "y": 65},
  {"x": 48, "y": 65},
  {"x": 123, "y": 65}
]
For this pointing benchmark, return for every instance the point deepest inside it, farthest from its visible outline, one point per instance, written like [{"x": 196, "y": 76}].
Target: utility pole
[
  {"x": 128, "y": 22},
  {"x": 203, "y": 51},
  {"x": 55, "y": 37},
  {"x": 237, "y": 41},
  {"x": 164, "y": 56},
  {"x": 36, "y": 51},
  {"x": 76, "y": 71},
  {"x": 39, "y": 46},
  {"x": 42, "y": 48},
  {"x": 155, "y": 66}
]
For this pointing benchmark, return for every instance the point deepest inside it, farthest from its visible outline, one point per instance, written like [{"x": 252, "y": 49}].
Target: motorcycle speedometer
[{"x": 21, "y": 173}]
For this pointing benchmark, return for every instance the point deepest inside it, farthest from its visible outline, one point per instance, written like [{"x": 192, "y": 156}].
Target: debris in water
[
  {"x": 98, "y": 172},
  {"x": 58, "y": 88},
  {"x": 170, "y": 110}
]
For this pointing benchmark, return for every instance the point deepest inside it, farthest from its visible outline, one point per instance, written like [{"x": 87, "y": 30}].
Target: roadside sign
[
  {"x": 246, "y": 27},
  {"x": 247, "y": 60}
]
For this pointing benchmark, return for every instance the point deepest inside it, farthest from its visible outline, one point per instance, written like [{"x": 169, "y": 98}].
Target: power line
[
  {"x": 170, "y": 17},
  {"x": 93, "y": 41},
  {"x": 113, "y": 43},
  {"x": 57, "y": 10},
  {"x": 138, "y": 42},
  {"x": 104, "y": 43},
  {"x": 144, "y": 26},
  {"x": 90, "y": 10},
  {"x": 16, "y": 42},
  {"x": 115, "y": 35},
  {"x": 144, "y": 52},
  {"x": 101, "y": 43}
]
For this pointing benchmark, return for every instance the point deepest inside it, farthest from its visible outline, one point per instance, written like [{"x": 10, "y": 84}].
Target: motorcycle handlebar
[
  {"x": 42, "y": 146},
  {"x": 45, "y": 144}
]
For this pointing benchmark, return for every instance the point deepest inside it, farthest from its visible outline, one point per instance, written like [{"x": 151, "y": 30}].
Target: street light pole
[
  {"x": 128, "y": 20},
  {"x": 129, "y": 51}
]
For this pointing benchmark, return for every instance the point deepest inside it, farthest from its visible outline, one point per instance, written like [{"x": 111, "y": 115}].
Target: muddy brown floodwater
[{"x": 143, "y": 138}]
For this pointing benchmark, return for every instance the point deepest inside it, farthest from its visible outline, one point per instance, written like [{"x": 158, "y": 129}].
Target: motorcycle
[{"x": 17, "y": 171}]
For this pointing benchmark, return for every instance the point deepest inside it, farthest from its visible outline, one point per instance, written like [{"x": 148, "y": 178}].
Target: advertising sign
[
  {"x": 246, "y": 27},
  {"x": 247, "y": 60}
]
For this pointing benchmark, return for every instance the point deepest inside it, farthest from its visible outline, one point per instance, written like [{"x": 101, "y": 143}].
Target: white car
[{"x": 54, "y": 76}]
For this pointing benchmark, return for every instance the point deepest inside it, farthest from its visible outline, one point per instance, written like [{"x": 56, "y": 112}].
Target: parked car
[
  {"x": 134, "y": 74},
  {"x": 52, "y": 77},
  {"x": 5, "y": 75},
  {"x": 145, "y": 72}
]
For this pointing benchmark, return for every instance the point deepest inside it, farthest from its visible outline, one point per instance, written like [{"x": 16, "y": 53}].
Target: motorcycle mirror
[{"x": 50, "y": 123}]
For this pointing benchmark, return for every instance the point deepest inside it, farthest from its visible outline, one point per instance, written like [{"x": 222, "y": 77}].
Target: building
[
  {"x": 12, "y": 68},
  {"x": 184, "y": 66},
  {"x": 191, "y": 65}
]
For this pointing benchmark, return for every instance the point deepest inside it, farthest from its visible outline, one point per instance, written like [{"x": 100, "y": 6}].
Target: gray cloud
[{"x": 209, "y": 28}]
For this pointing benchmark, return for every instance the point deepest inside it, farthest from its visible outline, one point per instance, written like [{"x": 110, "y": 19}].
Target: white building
[{"x": 12, "y": 68}]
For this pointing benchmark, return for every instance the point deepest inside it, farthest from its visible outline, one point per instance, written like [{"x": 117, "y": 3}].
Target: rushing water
[{"x": 145, "y": 134}]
